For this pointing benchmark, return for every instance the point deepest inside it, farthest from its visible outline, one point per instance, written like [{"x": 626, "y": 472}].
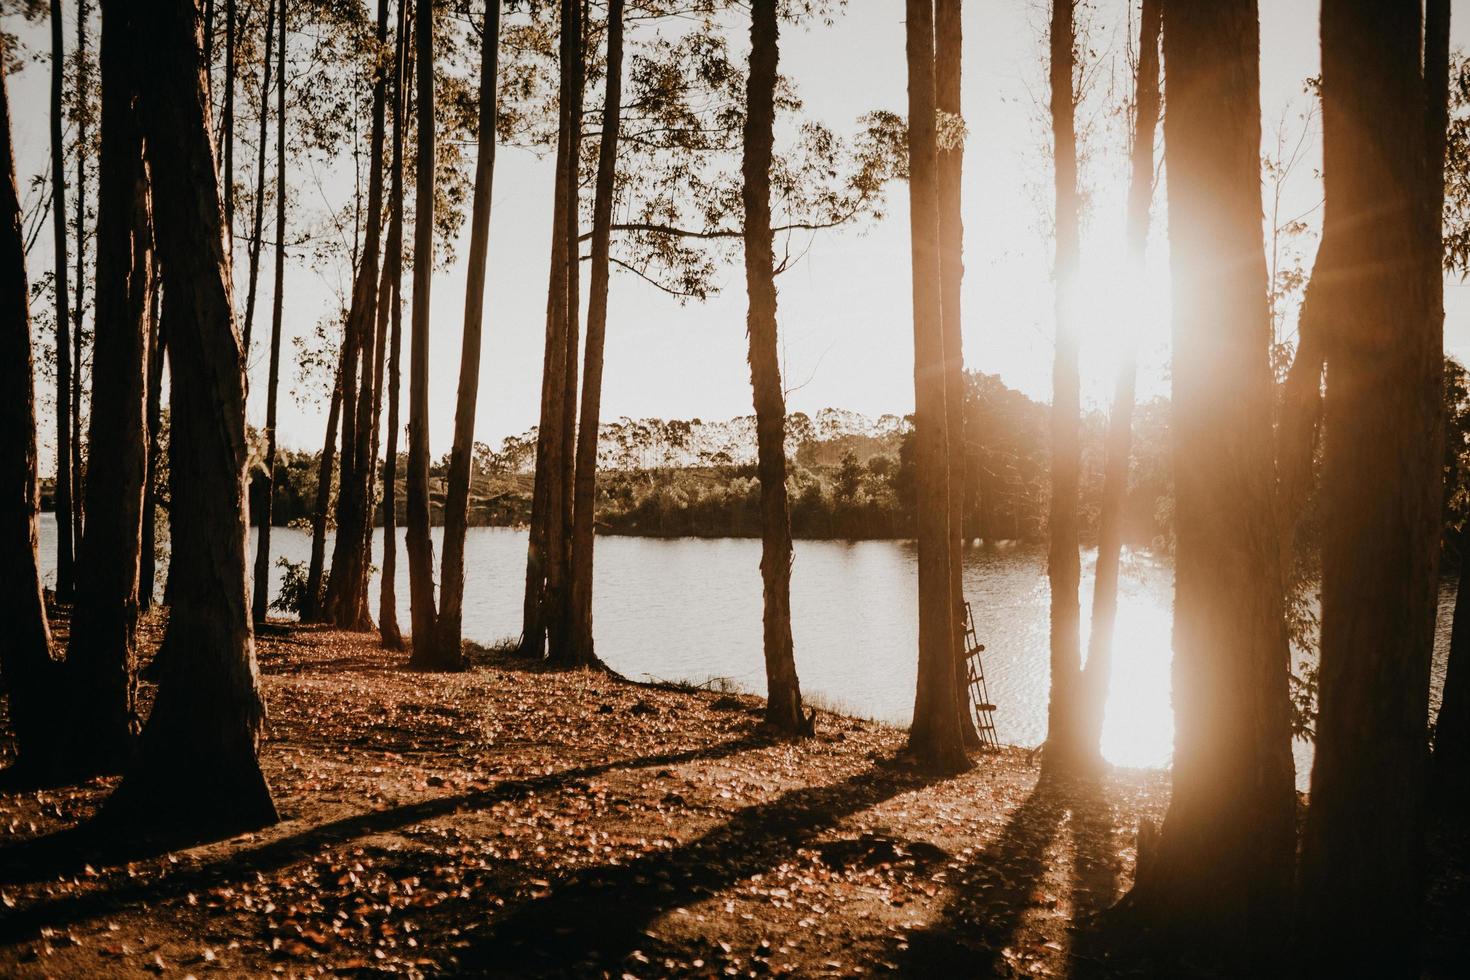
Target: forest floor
[{"x": 513, "y": 820}]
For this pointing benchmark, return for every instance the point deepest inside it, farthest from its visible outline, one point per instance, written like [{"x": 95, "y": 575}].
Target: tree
[
  {"x": 393, "y": 270},
  {"x": 81, "y": 108},
  {"x": 420, "y": 548},
  {"x": 1219, "y": 872},
  {"x": 261, "y": 594},
  {"x": 935, "y": 737},
  {"x": 99, "y": 671},
  {"x": 448, "y": 648},
  {"x": 147, "y": 555},
  {"x": 347, "y": 587},
  {"x": 783, "y": 690},
  {"x": 26, "y": 667},
  {"x": 196, "y": 767},
  {"x": 258, "y": 220},
  {"x": 65, "y": 550},
  {"x": 1064, "y": 568},
  {"x": 948, "y": 41},
  {"x": 311, "y": 606},
  {"x": 1093, "y": 689},
  {"x": 1383, "y": 120},
  {"x": 582, "y": 650}
]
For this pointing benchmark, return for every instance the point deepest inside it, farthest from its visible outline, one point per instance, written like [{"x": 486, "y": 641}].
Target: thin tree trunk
[
  {"x": 1362, "y": 870},
  {"x": 393, "y": 270},
  {"x": 934, "y": 738},
  {"x": 101, "y": 686},
  {"x": 783, "y": 689},
  {"x": 347, "y": 586},
  {"x": 448, "y": 653},
  {"x": 1219, "y": 874},
  {"x": 62, "y": 504},
  {"x": 260, "y": 598},
  {"x": 544, "y": 539},
  {"x": 1093, "y": 694},
  {"x": 948, "y": 38},
  {"x": 311, "y": 603},
  {"x": 79, "y": 307},
  {"x": 420, "y": 548},
  {"x": 559, "y": 514},
  {"x": 27, "y": 672},
  {"x": 582, "y": 651},
  {"x": 228, "y": 124},
  {"x": 1064, "y": 567},
  {"x": 258, "y": 221},
  {"x": 197, "y": 767},
  {"x": 147, "y": 557}
]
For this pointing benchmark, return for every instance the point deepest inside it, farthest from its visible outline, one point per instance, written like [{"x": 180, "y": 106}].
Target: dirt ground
[{"x": 517, "y": 821}]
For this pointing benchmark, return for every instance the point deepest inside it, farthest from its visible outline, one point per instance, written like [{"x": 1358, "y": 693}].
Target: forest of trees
[{"x": 1344, "y": 457}]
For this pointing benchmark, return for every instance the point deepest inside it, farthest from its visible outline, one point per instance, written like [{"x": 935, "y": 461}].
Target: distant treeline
[{"x": 850, "y": 477}]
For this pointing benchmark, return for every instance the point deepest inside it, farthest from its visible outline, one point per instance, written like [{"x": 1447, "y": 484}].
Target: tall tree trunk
[
  {"x": 260, "y": 598},
  {"x": 62, "y": 503},
  {"x": 347, "y": 586},
  {"x": 79, "y": 307},
  {"x": 420, "y": 548},
  {"x": 1093, "y": 692},
  {"x": 545, "y": 539},
  {"x": 147, "y": 557},
  {"x": 1064, "y": 567},
  {"x": 783, "y": 689},
  {"x": 393, "y": 270},
  {"x": 258, "y": 220},
  {"x": 934, "y": 738},
  {"x": 311, "y": 603},
  {"x": 197, "y": 767},
  {"x": 228, "y": 127},
  {"x": 559, "y": 515},
  {"x": 1220, "y": 871},
  {"x": 1362, "y": 870},
  {"x": 101, "y": 687},
  {"x": 448, "y": 654},
  {"x": 948, "y": 40},
  {"x": 582, "y": 651},
  {"x": 27, "y": 672}
]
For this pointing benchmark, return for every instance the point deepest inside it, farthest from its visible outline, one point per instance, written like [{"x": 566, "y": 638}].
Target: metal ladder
[{"x": 982, "y": 711}]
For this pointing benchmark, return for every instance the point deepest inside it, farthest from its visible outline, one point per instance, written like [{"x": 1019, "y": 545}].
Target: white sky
[{"x": 845, "y": 311}]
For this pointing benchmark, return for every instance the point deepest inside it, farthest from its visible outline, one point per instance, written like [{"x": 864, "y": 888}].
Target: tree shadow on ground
[
  {"x": 992, "y": 895},
  {"x": 70, "y": 852},
  {"x": 592, "y": 921}
]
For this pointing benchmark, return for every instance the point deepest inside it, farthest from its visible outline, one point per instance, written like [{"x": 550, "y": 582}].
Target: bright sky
[{"x": 845, "y": 311}]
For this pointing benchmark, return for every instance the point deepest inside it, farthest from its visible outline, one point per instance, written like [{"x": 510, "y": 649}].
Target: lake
[{"x": 689, "y": 609}]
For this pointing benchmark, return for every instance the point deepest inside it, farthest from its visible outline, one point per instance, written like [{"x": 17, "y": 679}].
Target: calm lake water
[{"x": 690, "y": 609}]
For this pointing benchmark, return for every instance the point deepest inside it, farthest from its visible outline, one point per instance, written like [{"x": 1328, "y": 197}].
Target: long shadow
[
  {"x": 992, "y": 893},
  {"x": 69, "y": 852},
  {"x": 593, "y": 921},
  {"x": 1095, "y": 874}
]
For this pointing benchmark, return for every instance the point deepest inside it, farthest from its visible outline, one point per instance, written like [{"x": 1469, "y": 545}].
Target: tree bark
[
  {"x": 948, "y": 39},
  {"x": 62, "y": 503},
  {"x": 1362, "y": 870},
  {"x": 392, "y": 638},
  {"x": 147, "y": 557},
  {"x": 258, "y": 221},
  {"x": 311, "y": 604},
  {"x": 1219, "y": 874},
  {"x": 196, "y": 769},
  {"x": 420, "y": 548},
  {"x": 935, "y": 737},
  {"x": 79, "y": 307},
  {"x": 559, "y": 538},
  {"x": 27, "y": 671},
  {"x": 783, "y": 689},
  {"x": 347, "y": 586},
  {"x": 100, "y": 673},
  {"x": 1064, "y": 566},
  {"x": 546, "y": 536},
  {"x": 449, "y": 650},
  {"x": 1093, "y": 692},
  {"x": 582, "y": 651},
  {"x": 261, "y": 596}
]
